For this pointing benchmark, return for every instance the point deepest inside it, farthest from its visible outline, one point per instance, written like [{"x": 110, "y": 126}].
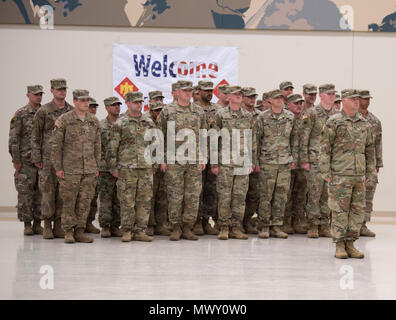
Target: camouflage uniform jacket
[
  {"x": 277, "y": 138},
  {"x": 210, "y": 113},
  {"x": 105, "y": 127},
  {"x": 76, "y": 144},
  {"x": 229, "y": 119},
  {"x": 43, "y": 125},
  {"x": 313, "y": 120},
  {"x": 19, "y": 142},
  {"x": 298, "y": 124},
  {"x": 376, "y": 129},
  {"x": 126, "y": 148},
  {"x": 348, "y": 147}
]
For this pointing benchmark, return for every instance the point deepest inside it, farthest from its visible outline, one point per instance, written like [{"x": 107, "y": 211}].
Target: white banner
[{"x": 148, "y": 68}]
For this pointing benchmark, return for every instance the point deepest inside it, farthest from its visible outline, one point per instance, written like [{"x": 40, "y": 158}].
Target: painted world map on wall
[{"x": 326, "y": 15}]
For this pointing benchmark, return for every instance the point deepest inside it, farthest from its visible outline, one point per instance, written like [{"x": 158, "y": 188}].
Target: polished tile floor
[{"x": 296, "y": 268}]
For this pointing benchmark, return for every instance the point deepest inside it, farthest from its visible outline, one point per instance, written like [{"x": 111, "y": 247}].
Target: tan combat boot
[
  {"x": 28, "y": 231},
  {"x": 126, "y": 236},
  {"x": 287, "y": 228},
  {"x": 58, "y": 231},
  {"x": 313, "y": 231},
  {"x": 264, "y": 233},
  {"x": 366, "y": 232},
  {"x": 105, "y": 233},
  {"x": 79, "y": 236},
  {"x": 176, "y": 233},
  {"x": 237, "y": 233},
  {"x": 69, "y": 236},
  {"x": 276, "y": 232},
  {"x": 115, "y": 231},
  {"x": 150, "y": 231},
  {"x": 47, "y": 232},
  {"x": 324, "y": 231},
  {"x": 340, "y": 250},
  {"x": 250, "y": 228},
  {"x": 198, "y": 228},
  {"x": 214, "y": 231},
  {"x": 142, "y": 236},
  {"x": 223, "y": 234},
  {"x": 300, "y": 226},
  {"x": 352, "y": 251},
  {"x": 90, "y": 228},
  {"x": 188, "y": 233},
  {"x": 37, "y": 229},
  {"x": 161, "y": 230}
]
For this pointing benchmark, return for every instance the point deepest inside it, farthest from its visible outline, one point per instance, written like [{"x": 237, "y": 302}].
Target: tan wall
[{"x": 84, "y": 57}]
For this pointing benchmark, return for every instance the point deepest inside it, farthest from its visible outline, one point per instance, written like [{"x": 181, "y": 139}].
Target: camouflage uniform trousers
[
  {"x": 371, "y": 185},
  {"x": 109, "y": 210},
  {"x": 274, "y": 188},
  {"x": 318, "y": 211},
  {"x": 94, "y": 203},
  {"x": 252, "y": 196},
  {"x": 346, "y": 201},
  {"x": 183, "y": 187},
  {"x": 208, "y": 199},
  {"x": 159, "y": 203},
  {"x": 77, "y": 191},
  {"x": 297, "y": 197},
  {"x": 51, "y": 200},
  {"x": 29, "y": 197},
  {"x": 231, "y": 190},
  {"x": 135, "y": 191}
]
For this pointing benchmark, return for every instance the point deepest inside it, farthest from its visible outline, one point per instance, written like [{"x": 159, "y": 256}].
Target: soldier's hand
[
  {"x": 215, "y": 170},
  {"x": 17, "y": 166},
  {"x": 377, "y": 169},
  {"x": 257, "y": 169},
  {"x": 203, "y": 166},
  {"x": 329, "y": 180},
  {"x": 292, "y": 166},
  {"x": 39, "y": 165},
  {"x": 60, "y": 174},
  {"x": 306, "y": 166},
  {"x": 116, "y": 175},
  {"x": 251, "y": 170},
  {"x": 97, "y": 174},
  {"x": 163, "y": 167}
]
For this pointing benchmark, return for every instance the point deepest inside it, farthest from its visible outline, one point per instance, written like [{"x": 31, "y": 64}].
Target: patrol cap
[
  {"x": 134, "y": 96},
  {"x": 205, "y": 85},
  {"x": 249, "y": 91},
  {"x": 258, "y": 103},
  {"x": 196, "y": 89},
  {"x": 185, "y": 85},
  {"x": 337, "y": 98},
  {"x": 275, "y": 94},
  {"x": 234, "y": 89},
  {"x": 310, "y": 88},
  {"x": 155, "y": 94},
  {"x": 350, "y": 93},
  {"x": 285, "y": 84},
  {"x": 58, "y": 83},
  {"x": 156, "y": 106},
  {"x": 35, "y": 89},
  {"x": 223, "y": 88},
  {"x": 92, "y": 102},
  {"x": 294, "y": 98},
  {"x": 80, "y": 94},
  {"x": 111, "y": 100},
  {"x": 175, "y": 86},
  {"x": 265, "y": 96},
  {"x": 365, "y": 94},
  {"x": 327, "y": 88}
]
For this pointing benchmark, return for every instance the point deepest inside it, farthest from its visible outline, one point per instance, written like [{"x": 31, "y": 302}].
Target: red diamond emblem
[
  {"x": 215, "y": 91},
  {"x": 125, "y": 86}
]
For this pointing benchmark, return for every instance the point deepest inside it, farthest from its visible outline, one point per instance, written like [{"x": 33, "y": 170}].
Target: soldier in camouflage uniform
[
  {"x": 158, "y": 220},
  {"x": 196, "y": 94},
  {"x": 249, "y": 96},
  {"x": 174, "y": 87},
  {"x": 26, "y": 173},
  {"x": 222, "y": 93},
  {"x": 313, "y": 120},
  {"x": 294, "y": 218},
  {"x": 183, "y": 177},
  {"x": 43, "y": 125},
  {"x": 90, "y": 228},
  {"x": 371, "y": 184},
  {"x": 337, "y": 102},
  {"x": 109, "y": 211},
  {"x": 127, "y": 161},
  {"x": 75, "y": 156},
  {"x": 277, "y": 156},
  {"x": 286, "y": 87},
  {"x": 347, "y": 160},
  {"x": 208, "y": 198},
  {"x": 265, "y": 104},
  {"x": 156, "y": 96},
  {"x": 310, "y": 92},
  {"x": 233, "y": 175}
]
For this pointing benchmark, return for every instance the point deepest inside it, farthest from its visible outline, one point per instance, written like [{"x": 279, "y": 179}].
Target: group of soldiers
[{"x": 313, "y": 168}]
